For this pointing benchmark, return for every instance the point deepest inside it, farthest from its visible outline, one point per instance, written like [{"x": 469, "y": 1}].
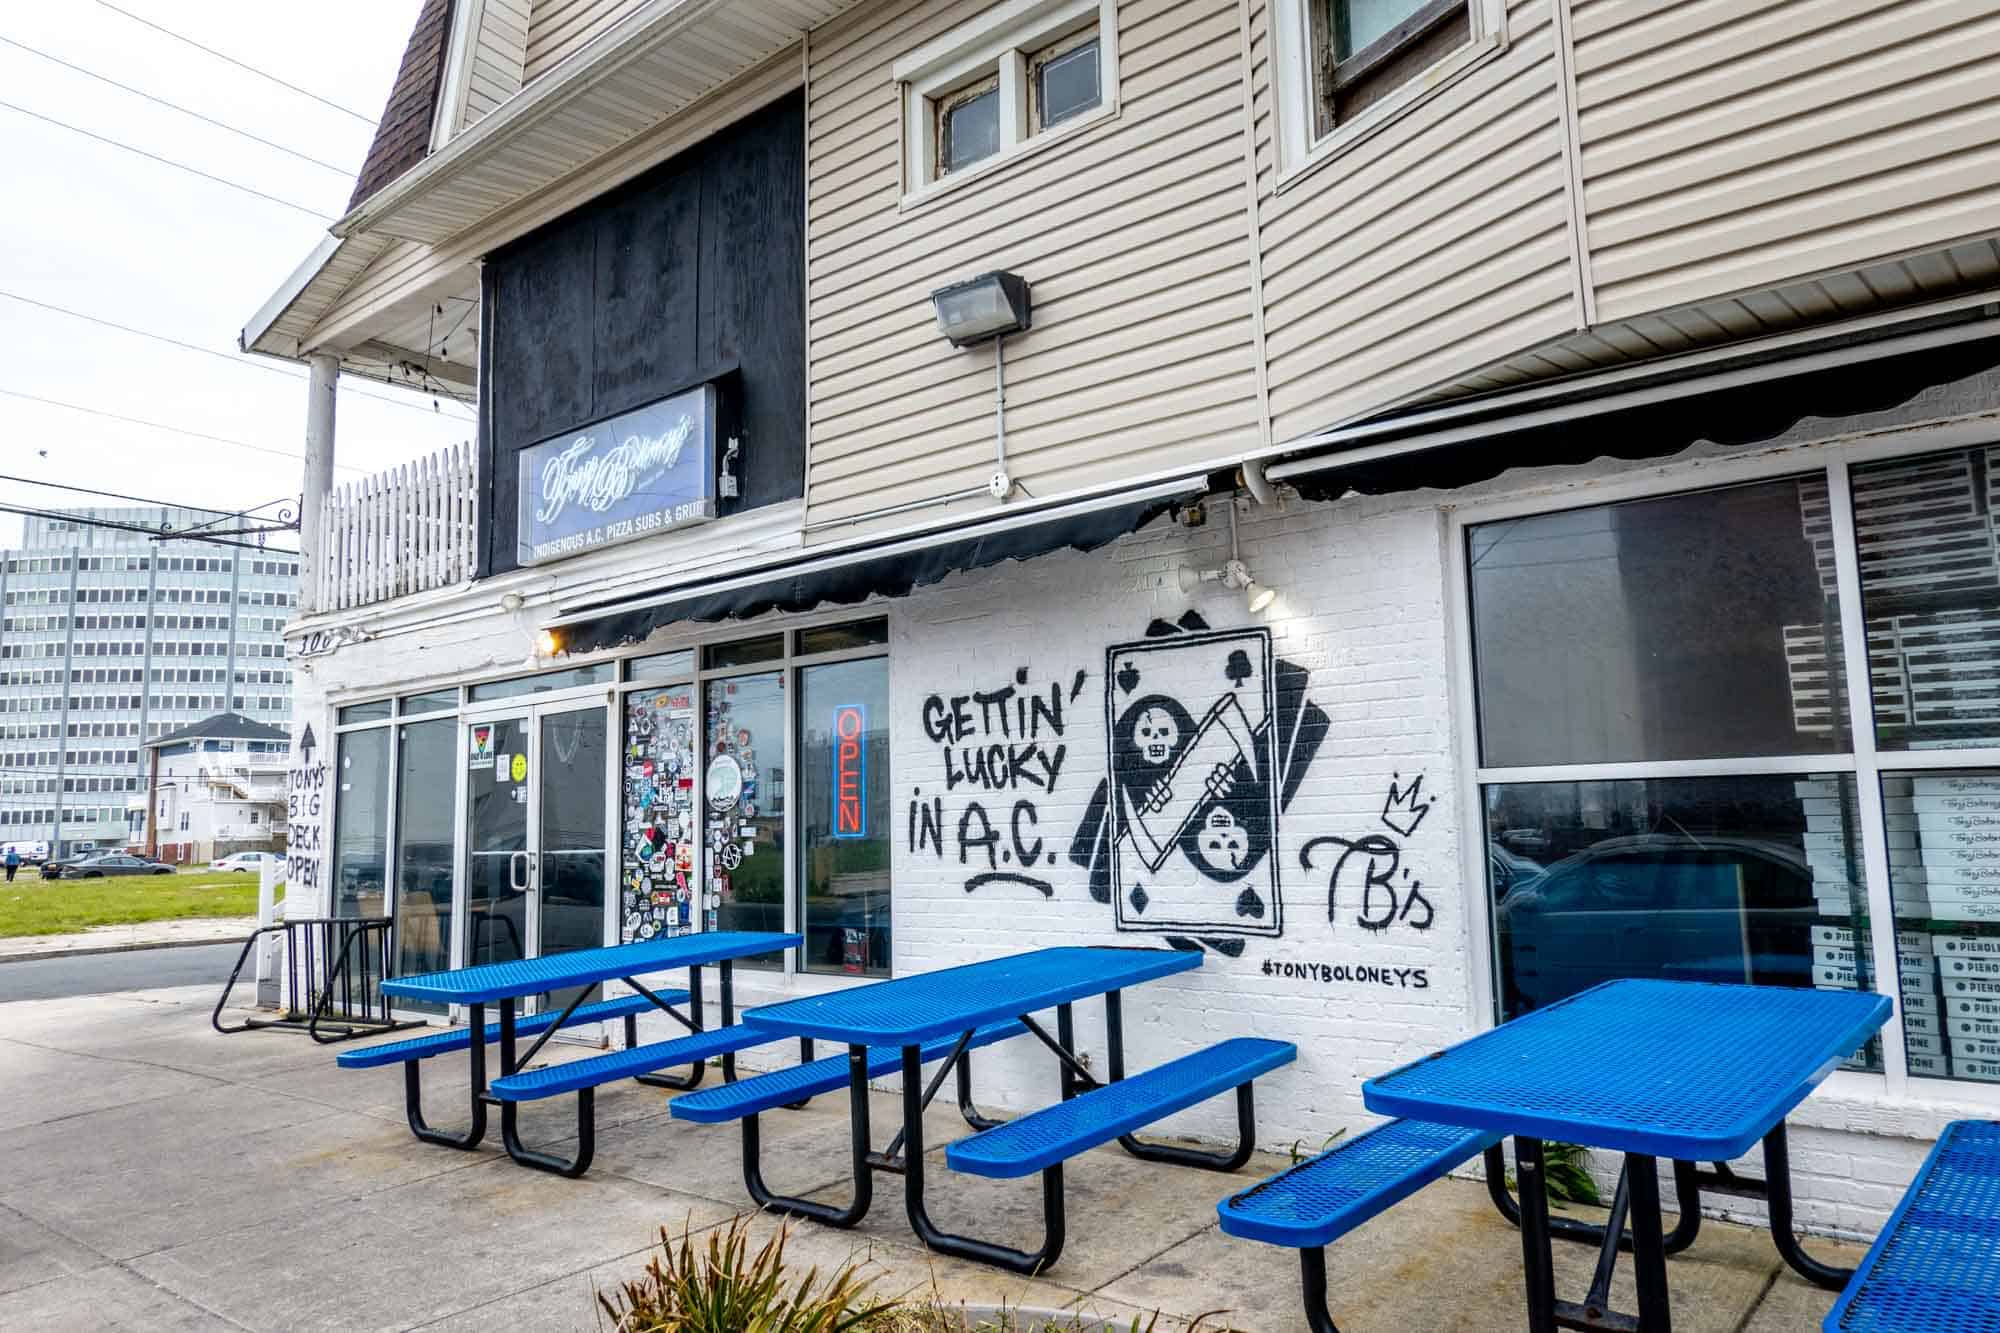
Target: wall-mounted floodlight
[{"x": 991, "y": 305}]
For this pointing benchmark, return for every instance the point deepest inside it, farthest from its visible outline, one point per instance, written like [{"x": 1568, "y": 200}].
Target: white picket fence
[{"x": 398, "y": 532}]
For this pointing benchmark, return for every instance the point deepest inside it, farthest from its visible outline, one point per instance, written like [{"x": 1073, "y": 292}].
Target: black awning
[
  {"x": 890, "y": 570},
  {"x": 1744, "y": 415}
]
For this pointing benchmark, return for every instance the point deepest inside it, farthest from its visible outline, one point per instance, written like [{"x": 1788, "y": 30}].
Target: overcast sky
[{"x": 100, "y": 230}]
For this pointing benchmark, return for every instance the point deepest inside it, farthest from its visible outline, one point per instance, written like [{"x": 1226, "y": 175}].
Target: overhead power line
[
  {"x": 161, "y": 425},
  {"x": 232, "y": 358},
  {"x": 176, "y": 106},
  {"x": 221, "y": 515},
  {"x": 27, "y": 512},
  {"x": 169, "y": 162},
  {"x": 229, "y": 59}
]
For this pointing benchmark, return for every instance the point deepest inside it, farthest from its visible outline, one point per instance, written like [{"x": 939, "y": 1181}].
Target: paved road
[{"x": 139, "y": 969}]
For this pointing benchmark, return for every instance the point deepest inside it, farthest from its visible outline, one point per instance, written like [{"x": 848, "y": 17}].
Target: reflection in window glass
[
  {"x": 436, "y": 701},
  {"x": 836, "y": 638},
  {"x": 426, "y": 774},
  {"x": 743, "y": 803},
  {"x": 360, "y": 822},
  {"x": 544, "y": 683},
  {"x": 844, "y": 816},
  {"x": 1691, "y": 626},
  {"x": 968, "y": 130},
  {"x": 1751, "y": 880},
  {"x": 1944, "y": 852},
  {"x": 743, "y": 652},
  {"x": 1930, "y": 586},
  {"x": 1066, "y": 84},
  {"x": 1357, "y": 23},
  {"x": 678, "y": 665}
]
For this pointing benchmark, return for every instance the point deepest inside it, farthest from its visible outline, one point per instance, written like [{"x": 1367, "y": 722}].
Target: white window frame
[
  {"x": 1832, "y": 460},
  {"x": 1301, "y": 150},
  {"x": 1000, "y": 40}
]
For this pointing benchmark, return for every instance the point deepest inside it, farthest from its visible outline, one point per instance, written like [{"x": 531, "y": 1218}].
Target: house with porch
[{"x": 1433, "y": 505}]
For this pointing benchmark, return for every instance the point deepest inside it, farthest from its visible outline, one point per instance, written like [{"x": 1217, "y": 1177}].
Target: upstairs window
[
  {"x": 1003, "y": 83},
  {"x": 1366, "y": 49},
  {"x": 1348, "y": 66}
]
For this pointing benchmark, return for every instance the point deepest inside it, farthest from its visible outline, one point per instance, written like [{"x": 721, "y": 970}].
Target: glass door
[
  {"x": 498, "y": 865},
  {"x": 571, "y": 844},
  {"x": 536, "y": 838}
]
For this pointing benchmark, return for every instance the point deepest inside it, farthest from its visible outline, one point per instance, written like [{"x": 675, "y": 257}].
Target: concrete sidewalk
[
  {"x": 155, "y": 1175},
  {"x": 135, "y": 935}
]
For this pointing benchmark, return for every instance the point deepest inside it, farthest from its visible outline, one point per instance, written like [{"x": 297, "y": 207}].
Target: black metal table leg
[
  {"x": 1172, "y": 1155},
  {"x": 1537, "y": 1264},
  {"x": 967, "y": 1247},
  {"x": 1312, "y": 1281},
  {"x": 679, "y": 1083},
  {"x": 1778, "y": 1191},
  {"x": 413, "y": 1107},
  {"x": 586, "y": 1121},
  {"x": 1649, "y": 1256},
  {"x": 864, "y": 1179},
  {"x": 1687, "y": 1195}
]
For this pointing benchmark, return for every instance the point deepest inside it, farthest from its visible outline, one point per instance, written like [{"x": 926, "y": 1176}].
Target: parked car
[
  {"x": 97, "y": 865},
  {"x": 245, "y": 861}
]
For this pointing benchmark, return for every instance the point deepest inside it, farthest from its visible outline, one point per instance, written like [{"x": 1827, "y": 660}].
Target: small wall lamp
[
  {"x": 1234, "y": 574},
  {"x": 991, "y": 305}
]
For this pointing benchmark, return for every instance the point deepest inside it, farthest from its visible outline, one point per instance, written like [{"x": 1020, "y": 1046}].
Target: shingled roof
[
  {"x": 224, "y": 726},
  {"x": 403, "y": 136}
]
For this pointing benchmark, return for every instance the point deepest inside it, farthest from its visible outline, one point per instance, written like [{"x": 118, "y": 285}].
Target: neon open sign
[{"x": 850, "y": 771}]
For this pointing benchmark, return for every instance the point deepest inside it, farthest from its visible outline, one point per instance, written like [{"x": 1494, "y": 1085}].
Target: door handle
[{"x": 518, "y": 872}]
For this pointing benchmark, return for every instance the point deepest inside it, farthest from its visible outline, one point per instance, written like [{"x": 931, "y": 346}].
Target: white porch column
[{"x": 320, "y": 385}]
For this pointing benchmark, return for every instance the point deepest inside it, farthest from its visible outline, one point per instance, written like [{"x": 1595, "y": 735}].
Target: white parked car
[{"x": 245, "y": 861}]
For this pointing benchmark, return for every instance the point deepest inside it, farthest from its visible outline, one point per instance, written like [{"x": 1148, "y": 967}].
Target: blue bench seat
[
  {"x": 1046, "y": 1138},
  {"x": 459, "y": 1038},
  {"x": 787, "y": 1087},
  {"x": 1936, "y": 1265},
  {"x": 1308, "y": 1206},
  {"x": 582, "y": 1075}
]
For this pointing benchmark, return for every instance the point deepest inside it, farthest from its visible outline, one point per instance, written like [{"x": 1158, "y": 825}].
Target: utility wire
[
  {"x": 176, "y": 106},
  {"x": 262, "y": 74},
  {"x": 233, "y": 359},
  {"x": 221, "y": 515},
  {"x": 66, "y": 517},
  {"x": 169, "y": 162},
  {"x": 160, "y": 425}
]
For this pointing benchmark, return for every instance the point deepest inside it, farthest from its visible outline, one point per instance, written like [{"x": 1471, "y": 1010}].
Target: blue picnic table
[
  {"x": 958, "y": 1002},
  {"x": 1688, "y": 1071},
  {"x": 507, "y": 983}
]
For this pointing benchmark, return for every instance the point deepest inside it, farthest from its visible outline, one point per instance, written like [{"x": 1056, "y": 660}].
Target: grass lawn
[{"x": 32, "y": 905}]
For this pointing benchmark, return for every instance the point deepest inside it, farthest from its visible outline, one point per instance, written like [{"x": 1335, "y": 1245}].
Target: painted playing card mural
[{"x": 1208, "y": 739}]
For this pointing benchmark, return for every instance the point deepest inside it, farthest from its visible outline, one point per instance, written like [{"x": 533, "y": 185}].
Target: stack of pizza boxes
[
  {"x": 1958, "y": 820},
  {"x": 1840, "y": 947}
]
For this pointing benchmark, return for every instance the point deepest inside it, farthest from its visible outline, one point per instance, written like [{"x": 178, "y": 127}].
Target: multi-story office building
[{"x": 111, "y": 637}]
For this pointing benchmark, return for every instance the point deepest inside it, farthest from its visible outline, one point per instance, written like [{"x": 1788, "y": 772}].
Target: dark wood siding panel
[
  {"x": 693, "y": 272},
  {"x": 752, "y": 294}
]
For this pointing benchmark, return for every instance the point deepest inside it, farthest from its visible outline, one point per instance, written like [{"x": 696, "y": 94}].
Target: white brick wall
[{"x": 1361, "y": 608}]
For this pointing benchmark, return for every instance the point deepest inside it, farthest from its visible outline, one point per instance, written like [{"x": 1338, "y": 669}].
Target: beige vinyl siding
[
  {"x": 499, "y": 55},
  {"x": 558, "y": 27},
  {"x": 1737, "y": 144},
  {"x": 1132, "y": 232},
  {"x": 1437, "y": 243}
]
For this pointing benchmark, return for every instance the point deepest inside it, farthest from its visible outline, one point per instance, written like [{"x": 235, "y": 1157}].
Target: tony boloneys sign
[{"x": 646, "y": 471}]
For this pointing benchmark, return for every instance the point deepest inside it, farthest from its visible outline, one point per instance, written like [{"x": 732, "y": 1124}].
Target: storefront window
[
  {"x": 743, "y": 804},
  {"x": 360, "y": 820},
  {"x": 659, "y": 874},
  {"x": 662, "y": 666},
  {"x": 1688, "y": 627},
  {"x": 548, "y": 681},
  {"x": 1754, "y": 880},
  {"x": 433, "y": 701},
  {"x": 843, "y": 816},
  {"x": 840, "y": 638},
  {"x": 743, "y": 652},
  {"x": 1700, "y": 630},
  {"x": 425, "y": 773},
  {"x": 368, "y": 712}
]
